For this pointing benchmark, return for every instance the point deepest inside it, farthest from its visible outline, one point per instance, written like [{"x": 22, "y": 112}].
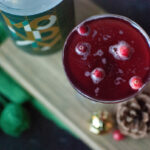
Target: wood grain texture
[{"x": 45, "y": 79}]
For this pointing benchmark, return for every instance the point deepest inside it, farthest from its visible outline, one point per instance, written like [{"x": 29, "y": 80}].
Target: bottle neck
[{"x": 27, "y": 7}]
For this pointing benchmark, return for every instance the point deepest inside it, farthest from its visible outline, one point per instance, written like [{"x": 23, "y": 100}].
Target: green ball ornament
[{"x": 14, "y": 119}]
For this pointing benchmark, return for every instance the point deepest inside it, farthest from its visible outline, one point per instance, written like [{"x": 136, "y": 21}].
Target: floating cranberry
[
  {"x": 82, "y": 48},
  {"x": 83, "y": 30},
  {"x": 124, "y": 51},
  {"x": 97, "y": 75},
  {"x": 136, "y": 82}
]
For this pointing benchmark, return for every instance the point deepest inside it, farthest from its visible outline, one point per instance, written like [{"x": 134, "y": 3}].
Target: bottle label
[{"x": 38, "y": 32}]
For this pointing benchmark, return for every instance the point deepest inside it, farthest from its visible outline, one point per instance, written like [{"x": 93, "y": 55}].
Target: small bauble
[
  {"x": 117, "y": 135},
  {"x": 101, "y": 122}
]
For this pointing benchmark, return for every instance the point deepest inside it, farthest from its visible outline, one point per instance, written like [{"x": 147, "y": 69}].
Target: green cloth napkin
[{"x": 16, "y": 94}]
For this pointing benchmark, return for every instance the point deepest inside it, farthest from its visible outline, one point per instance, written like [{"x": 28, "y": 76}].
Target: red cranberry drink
[{"x": 107, "y": 58}]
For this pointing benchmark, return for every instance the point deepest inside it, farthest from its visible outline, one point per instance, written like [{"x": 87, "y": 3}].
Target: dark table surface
[
  {"x": 43, "y": 135},
  {"x": 137, "y": 10}
]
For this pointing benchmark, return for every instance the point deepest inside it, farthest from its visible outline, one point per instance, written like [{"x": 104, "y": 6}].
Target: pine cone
[{"x": 133, "y": 116}]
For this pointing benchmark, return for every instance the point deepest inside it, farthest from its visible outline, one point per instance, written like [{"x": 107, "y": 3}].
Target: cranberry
[
  {"x": 136, "y": 83},
  {"x": 83, "y": 30}
]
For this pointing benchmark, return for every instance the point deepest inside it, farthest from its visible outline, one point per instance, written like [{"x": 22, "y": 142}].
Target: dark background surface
[
  {"x": 137, "y": 10},
  {"x": 43, "y": 135}
]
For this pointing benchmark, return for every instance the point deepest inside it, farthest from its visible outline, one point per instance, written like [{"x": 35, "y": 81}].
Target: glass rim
[
  {"x": 133, "y": 24},
  {"x": 27, "y": 11}
]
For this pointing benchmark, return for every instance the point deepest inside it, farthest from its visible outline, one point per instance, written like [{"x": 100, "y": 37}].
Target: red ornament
[
  {"x": 117, "y": 135},
  {"x": 83, "y": 30},
  {"x": 136, "y": 83}
]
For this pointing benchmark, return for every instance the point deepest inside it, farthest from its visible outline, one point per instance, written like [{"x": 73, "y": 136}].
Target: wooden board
[{"x": 44, "y": 78}]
